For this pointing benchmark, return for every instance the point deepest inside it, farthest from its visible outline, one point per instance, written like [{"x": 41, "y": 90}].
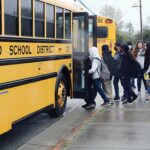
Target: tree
[
  {"x": 148, "y": 19},
  {"x": 130, "y": 30},
  {"x": 114, "y": 14},
  {"x": 146, "y": 34}
]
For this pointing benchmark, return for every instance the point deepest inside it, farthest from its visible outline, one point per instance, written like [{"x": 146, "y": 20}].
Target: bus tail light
[
  {"x": 109, "y": 21},
  {"x": 111, "y": 45}
]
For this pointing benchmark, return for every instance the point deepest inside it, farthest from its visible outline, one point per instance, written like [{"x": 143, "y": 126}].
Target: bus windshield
[{"x": 102, "y": 32}]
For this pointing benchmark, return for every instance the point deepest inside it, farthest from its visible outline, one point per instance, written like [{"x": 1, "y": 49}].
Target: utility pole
[{"x": 141, "y": 18}]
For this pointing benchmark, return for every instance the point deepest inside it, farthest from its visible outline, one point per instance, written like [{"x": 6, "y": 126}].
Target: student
[
  {"x": 117, "y": 57},
  {"x": 147, "y": 68},
  {"x": 131, "y": 51},
  {"x": 97, "y": 82},
  {"x": 126, "y": 74},
  {"x": 139, "y": 50},
  {"x": 112, "y": 67}
]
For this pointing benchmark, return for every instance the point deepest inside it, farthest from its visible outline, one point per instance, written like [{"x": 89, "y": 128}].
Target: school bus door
[
  {"x": 92, "y": 31},
  {"x": 80, "y": 55}
]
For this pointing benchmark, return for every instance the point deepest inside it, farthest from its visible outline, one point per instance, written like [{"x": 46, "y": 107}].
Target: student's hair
[
  {"x": 136, "y": 49},
  {"x": 125, "y": 47},
  {"x": 129, "y": 43},
  {"x": 105, "y": 48},
  {"x": 137, "y": 43},
  {"x": 118, "y": 44}
]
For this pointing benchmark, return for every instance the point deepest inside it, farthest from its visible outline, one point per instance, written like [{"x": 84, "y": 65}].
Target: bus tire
[{"x": 60, "y": 97}]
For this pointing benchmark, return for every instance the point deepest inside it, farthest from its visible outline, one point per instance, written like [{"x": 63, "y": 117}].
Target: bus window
[
  {"x": 67, "y": 24},
  {"x": 102, "y": 32},
  {"x": 11, "y": 17},
  {"x": 0, "y": 19},
  {"x": 91, "y": 40},
  {"x": 50, "y": 17},
  {"x": 59, "y": 21},
  {"x": 26, "y": 18},
  {"x": 90, "y": 28},
  {"x": 39, "y": 18}
]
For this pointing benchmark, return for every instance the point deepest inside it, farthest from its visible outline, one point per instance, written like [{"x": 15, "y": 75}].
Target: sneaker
[
  {"x": 125, "y": 102},
  {"x": 111, "y": 103},
  {"x": 139, "y": 93},
  {"x": 147, "y": 100},
  {"x": 85, "y": 105},
  {"x": 90, "y": 106},
  {"x": 117, "y": 98},
  {"x": 134, "y": 98},
  {"x": 105, "y": 104},
  {"x": 123, "y": 98},
  {"x": 130, "y": 103}
]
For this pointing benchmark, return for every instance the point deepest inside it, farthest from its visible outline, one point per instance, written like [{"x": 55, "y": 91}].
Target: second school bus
[{"x": 106, "y": 33}]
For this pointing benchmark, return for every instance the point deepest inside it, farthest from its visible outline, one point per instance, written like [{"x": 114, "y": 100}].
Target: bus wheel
[{"x": 60, "y": 97}]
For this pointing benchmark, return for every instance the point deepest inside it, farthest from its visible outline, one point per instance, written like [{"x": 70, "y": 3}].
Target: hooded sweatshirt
[{"x": 96, "y": 64}]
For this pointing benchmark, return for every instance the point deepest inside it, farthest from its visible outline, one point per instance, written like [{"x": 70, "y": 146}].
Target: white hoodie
[{"x": 95, "y": 63}]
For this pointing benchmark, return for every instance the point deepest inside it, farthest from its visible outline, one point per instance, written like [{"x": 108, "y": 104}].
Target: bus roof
[{"x": 74, "y": 6}]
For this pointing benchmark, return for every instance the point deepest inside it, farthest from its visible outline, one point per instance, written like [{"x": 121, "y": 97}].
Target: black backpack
[
  {"x": 136, "y": 69},
  {"x": 111, "y": 64},
  {"x": 113, "y": 67}
]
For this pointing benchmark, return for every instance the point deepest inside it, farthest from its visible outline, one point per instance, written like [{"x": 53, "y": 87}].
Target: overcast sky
[{"x": 129, "y": 13}]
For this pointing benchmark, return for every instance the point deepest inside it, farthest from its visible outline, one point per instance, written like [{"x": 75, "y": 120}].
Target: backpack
[
  {"x": 136, "y": 69},
  {"x": 112, "y": 67},
  {"x": 103, "y": 70},
  {"x": 110, "y": 62}
]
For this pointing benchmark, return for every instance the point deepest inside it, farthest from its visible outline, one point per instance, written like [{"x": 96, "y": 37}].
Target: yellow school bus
[
  {"x": 106, "y": 33},
  {"x": 43, "y": 49}
]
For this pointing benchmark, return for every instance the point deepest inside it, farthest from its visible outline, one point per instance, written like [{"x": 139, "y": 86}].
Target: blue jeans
[
  {"x": 97, "y": 87},
  {"x": 116, "y": 85},
  {"x": 148, "y": 86},
  {"x": 139, "y": 81}
]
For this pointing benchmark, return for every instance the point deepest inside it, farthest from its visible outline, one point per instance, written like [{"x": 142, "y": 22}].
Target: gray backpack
[{"x": 103, "y": 71}]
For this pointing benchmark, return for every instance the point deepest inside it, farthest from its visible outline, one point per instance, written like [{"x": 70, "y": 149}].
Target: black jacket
[
  {"x": 147, "y": 60},
  {"x": 126, "y": 65},
  {"x": 110, "y": 61}
]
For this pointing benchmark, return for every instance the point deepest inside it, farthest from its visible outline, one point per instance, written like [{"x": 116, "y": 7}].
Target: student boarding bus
[
  {"x": 43, "y": 51},
  {"x": 106, "y": 33}
]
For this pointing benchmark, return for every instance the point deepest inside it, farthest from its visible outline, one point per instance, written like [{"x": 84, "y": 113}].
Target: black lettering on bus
[
  {"x": 38, "y": 49},
  {"x": 0, "y": 50},
  {"x": 44, "y": 49},
  {"x": 23, "y": 50},
  {"x": 29, "y": 50},
  {"x": 51, "y": 49},
  {"x": 15, "y": 51},
  {"x": 11, "y": 50},
  {"x": 19, "y": 49}
]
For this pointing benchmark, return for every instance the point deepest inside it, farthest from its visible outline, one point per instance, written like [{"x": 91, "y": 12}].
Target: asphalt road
[{"x": 28, "y": 129}]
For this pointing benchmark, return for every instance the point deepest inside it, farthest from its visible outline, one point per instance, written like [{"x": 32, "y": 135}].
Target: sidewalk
[
  {"x": 117, "y": 128},
  {"x": 64, "y": 130}
]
